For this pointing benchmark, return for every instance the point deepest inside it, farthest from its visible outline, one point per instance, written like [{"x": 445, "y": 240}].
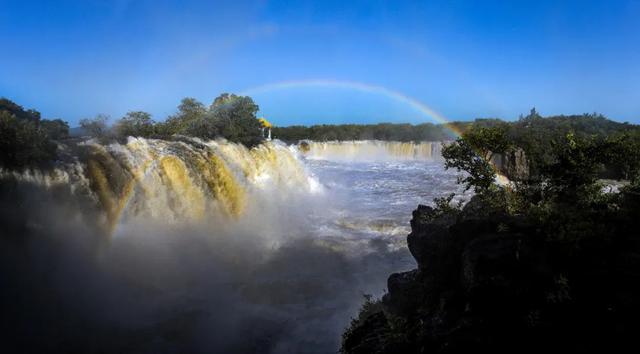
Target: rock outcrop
[
  {"x": 513, "y": 164},
  {"x": 491, "y": 282}
]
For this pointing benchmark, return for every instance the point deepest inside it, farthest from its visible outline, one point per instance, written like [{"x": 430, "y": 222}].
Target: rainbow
[
  {"x": 362, "y": 87},
  {"x": 373, "y": 89}
]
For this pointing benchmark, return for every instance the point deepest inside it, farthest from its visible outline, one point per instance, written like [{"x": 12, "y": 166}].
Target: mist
[{"x": 263, "y": 284}]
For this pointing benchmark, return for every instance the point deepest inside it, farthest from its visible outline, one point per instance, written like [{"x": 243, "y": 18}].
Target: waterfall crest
[
  {"x": 368, "y": 150},
  {"x": 174, "y": 181}
]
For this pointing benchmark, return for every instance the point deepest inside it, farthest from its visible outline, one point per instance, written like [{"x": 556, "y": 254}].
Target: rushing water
[
  {"x": 210, "y": 247},
  {"x": 374, "y": 199}
]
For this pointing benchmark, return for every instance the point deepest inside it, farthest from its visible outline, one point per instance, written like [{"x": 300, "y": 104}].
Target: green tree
[
  {"x": 473, "y": 153},
  {"x": 462, "y": 156},
  {"x": 190, "y": 112},
  {"x": 574, "y": 171},
  {"x": 96, "y": 127},
  {"x": 56, "y": 129},
  {"x": 19, "y": 112},
  {"x": 22, "y": 143},
  {"x": 135, "y": 123},
  {"x": 623, "y": 154},
  {"x": 235, "y": 119},
  {"x": 229, "y": 116},
  {"x": 488, "y": 141}
]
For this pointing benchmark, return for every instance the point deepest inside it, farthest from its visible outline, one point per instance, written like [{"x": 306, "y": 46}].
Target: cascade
[
  {"x": 181, "y": 180},
  {"x": 372, "y": 150}
]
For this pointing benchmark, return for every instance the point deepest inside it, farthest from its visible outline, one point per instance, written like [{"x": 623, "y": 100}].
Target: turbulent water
[{"x": 172, "y": 246}]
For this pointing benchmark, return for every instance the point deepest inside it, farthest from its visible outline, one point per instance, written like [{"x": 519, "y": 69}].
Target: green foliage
[
  {"x": 474, "y": 151},
  {"x": 19, "y": 112},
  {"x": 534, "y": 133},
  {"x": 487, "y": 141},
  {"x": 235, "y": 118},
  {"x": 462, "y": 156},
  {"x": 135, "y": 123},
  {"x": 229, "y": 116},
  {"x": 562, "y": 189},
  {"x": 623, "y": 154},
  {"x": 96, "y": 127},
  {"x": 22, "y": 143},
  {"x": 381, "y": 131},
  {"x": 25, "y": 139},
  {"x": 445, "y": 205},
  {"x": 564, "y": 153},
  {"x": 574, "y": 168},
  {"x": 191, "y": 113},
  {"x": 55, "y": 129}
]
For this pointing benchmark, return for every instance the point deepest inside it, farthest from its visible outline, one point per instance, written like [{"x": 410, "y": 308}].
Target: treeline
[
  {"x": 617, "y": 144},
  {"x": 532, "y": 129},
  {"x": 229, "y": 116},
  {"x": 382, "y": 131},
  {"x": 27, "y": 140}
]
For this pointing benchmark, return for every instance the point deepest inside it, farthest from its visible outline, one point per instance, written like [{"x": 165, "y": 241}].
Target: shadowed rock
[{"x": 489, "y": 281}]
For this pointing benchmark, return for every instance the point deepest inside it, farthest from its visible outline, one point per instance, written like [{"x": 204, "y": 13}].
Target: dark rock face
[
  {"x": 491, "y": 283},
  {"x": 513, "y": 164}
]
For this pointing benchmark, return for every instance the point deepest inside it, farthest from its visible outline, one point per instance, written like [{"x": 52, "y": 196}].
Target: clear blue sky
[{"x": 465, "y": 59}]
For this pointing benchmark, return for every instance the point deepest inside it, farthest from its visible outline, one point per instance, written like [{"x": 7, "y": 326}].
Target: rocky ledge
[{"x": 489, "y": 281}]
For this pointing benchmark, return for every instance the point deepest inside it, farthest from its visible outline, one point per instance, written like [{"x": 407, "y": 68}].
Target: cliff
[
  {"x": 513, "y": 164},
  {"x": 488, "y": 281}
]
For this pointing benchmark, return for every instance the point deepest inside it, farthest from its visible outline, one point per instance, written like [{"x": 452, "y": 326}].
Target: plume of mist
[{"x": 261, "y": 284}]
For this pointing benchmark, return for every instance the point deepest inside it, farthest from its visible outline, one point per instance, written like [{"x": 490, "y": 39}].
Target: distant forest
[
  {"x": 382, "y": 131},
  {"x": 532, "y": 124}
]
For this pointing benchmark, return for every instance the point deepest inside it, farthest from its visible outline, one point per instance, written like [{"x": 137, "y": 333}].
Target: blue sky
[{"x": 463, "y": 59}]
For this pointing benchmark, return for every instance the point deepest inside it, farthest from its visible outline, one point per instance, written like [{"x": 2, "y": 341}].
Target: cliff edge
[{"x": 487, "y": 280}]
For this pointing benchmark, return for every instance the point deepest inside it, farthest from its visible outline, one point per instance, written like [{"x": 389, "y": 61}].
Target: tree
[
  {"x": 190, "y": 112},
  {"x": 23, "y": 143},
  {"x": 221, "y": 100},
  {"x": 623, "y": 154},
  {"x": 473, "y": 153},
  {"x": 135, "y": 123},
  {"x": 96, "y": 127},
  {"x": 234, "y": 118},
  {"x": 574, "y": 171},
  {"x": 56, "y": 129},
  {"x": 487, "y": 141},
  {"x": 462, "y": 156},
  {"x": 19, "y": 112}
]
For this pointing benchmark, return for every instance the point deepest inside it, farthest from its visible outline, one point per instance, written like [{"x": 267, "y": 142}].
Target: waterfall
[
  {"x": 175, "y": 181},
  {"x": 371, "y": 150}
]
